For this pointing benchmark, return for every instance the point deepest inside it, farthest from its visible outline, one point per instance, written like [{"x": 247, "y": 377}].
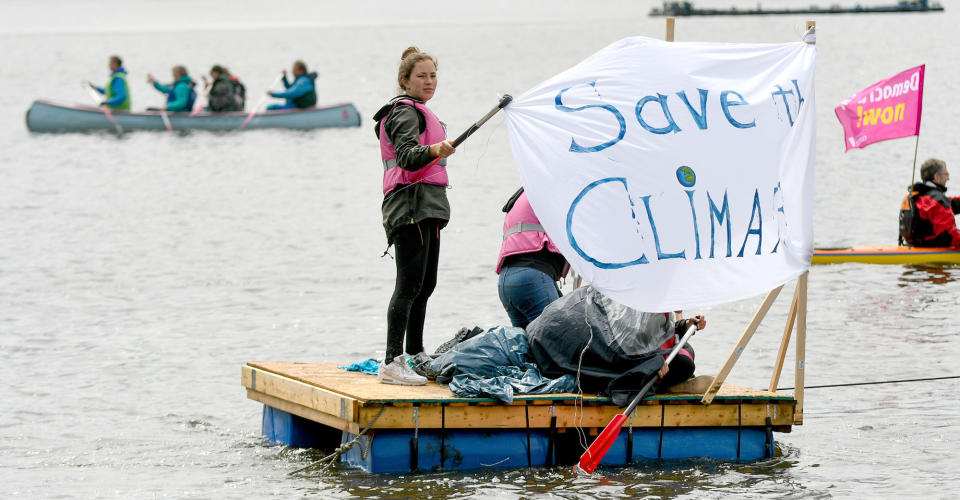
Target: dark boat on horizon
[{"x": 687, "y": 9}]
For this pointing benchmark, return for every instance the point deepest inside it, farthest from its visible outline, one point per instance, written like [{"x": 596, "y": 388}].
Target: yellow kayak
[{"x": 878, "y": 254}]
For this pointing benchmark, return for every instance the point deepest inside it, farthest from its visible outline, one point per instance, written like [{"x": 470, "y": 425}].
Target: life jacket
[
  {"x": 310, "y": 98},
  {"x": 191, "y": 98},
  {"x": 222, "y": 96},
  {"x": 122, "y": 75},
  {"x": 522, "y": 232},
  {"x": 914, "y": 229},
  {"x": 672, "y": 341},
  {"x": 393, "y": 174},
  {"x": 240, "y": 91},
  {"x": 909, "y": 220}
]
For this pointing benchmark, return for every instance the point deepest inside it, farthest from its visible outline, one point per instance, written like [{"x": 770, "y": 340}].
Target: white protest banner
[{"x": 675, "y": 175}]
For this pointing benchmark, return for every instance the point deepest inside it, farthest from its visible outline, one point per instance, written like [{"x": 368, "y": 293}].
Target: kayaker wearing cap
[
  {"x": 116, "y": 90},
  {"x": 301, "y": 93},
  {"x": 927, "y": 214},
  {"x": 415, "y": 207},
  {"x": 529, "y": 264}
]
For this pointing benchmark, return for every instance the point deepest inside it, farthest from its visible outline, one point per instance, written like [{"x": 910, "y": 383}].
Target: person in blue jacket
[
  {"x": 116, "y": 91},
  {"x": 180, "y": 93},
  {"x": 299, "y": 94}
]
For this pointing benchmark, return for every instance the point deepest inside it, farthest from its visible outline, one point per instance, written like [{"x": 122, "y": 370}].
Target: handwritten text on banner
[{"x": 675, "y": 175}]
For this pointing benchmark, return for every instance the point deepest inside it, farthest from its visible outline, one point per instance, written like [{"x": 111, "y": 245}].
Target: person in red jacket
[{"x": 927, "y": 213}]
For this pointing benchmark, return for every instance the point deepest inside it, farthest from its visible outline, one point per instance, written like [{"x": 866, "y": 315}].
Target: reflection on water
[
  {"x": 651, "y": 479},
  {"x": 938, "y": 274}
]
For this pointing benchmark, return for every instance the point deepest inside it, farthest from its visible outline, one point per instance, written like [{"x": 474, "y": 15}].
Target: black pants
[
  {"x": 943, "y": 239},
  {"x": 418, "y": 251}
]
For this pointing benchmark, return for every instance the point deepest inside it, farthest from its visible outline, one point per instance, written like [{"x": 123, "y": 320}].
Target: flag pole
[{"x": 916, "y": 147}]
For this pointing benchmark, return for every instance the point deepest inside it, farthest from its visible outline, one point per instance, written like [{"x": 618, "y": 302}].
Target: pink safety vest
[
  {"x": 393, "y": 174},
  {"x": 522, "y": 232},
  {"x": 672, "y": 341}
]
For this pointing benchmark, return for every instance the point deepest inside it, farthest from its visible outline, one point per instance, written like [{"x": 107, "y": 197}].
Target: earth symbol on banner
[{"x": 686, "y": 176}]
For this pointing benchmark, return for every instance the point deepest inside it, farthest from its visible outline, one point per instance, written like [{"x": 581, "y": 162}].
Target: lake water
[{"x": 138, "y": 274}]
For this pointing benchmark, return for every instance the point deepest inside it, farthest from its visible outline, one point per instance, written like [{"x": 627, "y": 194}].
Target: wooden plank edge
[
  {"x": 516, "y": 417},
  {"x": 248, "y": 382},
  {"x": 307, "y": 394},
  {"x": 573, "y": 399},
  {"x": 303, "y": 411}
]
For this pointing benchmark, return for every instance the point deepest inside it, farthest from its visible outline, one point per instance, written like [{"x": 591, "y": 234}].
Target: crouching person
[
  {"x": 529, "y": 264},
  {"x": 682, "y": 367},
  {"x": 611, "y": 348}
]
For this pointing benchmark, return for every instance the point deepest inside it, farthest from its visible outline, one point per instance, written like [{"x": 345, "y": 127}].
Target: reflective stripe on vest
[
  {"x": 523, "y": 227},
  {"x": 387, "y": 165},
  {"x": 522, "y": 232},
  {"x": 393, "y": 174}
]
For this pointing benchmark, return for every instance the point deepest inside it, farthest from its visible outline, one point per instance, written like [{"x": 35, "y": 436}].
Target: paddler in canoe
[
  {"x": 116, "y": 91},
  {"x": 301, "y": 93},
  {"x": 180, "y": 93},
  {"x": 927, "y": 213},
  {"x": 225, "y": 92}
]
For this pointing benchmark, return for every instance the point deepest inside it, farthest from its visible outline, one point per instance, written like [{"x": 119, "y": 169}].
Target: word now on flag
[
  {"x": 675, "y": 175},
  {"x": 888, "y": 109}
]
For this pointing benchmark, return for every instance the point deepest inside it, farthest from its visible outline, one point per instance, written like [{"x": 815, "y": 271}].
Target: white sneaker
[{"x": 399, "y": 372}]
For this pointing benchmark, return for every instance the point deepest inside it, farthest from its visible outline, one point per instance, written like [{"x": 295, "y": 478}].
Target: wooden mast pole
[
  {"x": 668, "y": 36},
  {"x": 798, "y": 313},
  {"x": 801, "y": 347},
  {"x": 785, "y": 341},
  {"x": 801, "y": 323}
]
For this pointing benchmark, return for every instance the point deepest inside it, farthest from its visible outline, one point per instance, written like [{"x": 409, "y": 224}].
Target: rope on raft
[
  {"x": 328, "y": 461},
  {"x": 852, "y": 384}
]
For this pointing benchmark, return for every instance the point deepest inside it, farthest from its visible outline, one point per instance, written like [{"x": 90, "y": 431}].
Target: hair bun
[{"x": 409, "y": 51}]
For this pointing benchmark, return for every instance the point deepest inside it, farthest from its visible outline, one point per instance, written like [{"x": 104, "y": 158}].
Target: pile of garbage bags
[
  {"x": 613, "y": 348},
  {"x": 610, "y": 348},
  {"x": 494, "y": 364}
]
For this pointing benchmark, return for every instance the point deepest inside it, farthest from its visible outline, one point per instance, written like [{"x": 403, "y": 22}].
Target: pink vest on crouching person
[
  {"x": 672, "y": 341},
  {"x": 393, "y": 174},
  {"x": 522, "y": 232}
]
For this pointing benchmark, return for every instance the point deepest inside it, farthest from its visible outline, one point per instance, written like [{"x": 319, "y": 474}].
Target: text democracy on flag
[{"x": 888, "y": 109}]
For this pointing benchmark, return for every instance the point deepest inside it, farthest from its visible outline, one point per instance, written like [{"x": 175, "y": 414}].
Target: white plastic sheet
[{"x": 675, "y": 175}]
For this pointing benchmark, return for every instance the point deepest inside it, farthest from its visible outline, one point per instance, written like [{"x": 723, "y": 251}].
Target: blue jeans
[{"x": 525, "y": 292}]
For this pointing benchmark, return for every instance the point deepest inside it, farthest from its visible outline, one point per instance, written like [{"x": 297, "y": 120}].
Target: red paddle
[{"x": 594, "y": 454}]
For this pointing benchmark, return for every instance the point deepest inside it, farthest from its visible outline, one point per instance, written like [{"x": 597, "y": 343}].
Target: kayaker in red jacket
[{"x": 930, "y": 221}]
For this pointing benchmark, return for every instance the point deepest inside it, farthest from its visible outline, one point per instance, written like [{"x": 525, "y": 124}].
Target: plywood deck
[{"x": 350, "y": 401}]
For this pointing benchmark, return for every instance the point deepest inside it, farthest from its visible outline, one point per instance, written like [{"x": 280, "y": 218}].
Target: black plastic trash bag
[
  {"x": 619, "y": 346},
  {"x": 495, "y": 364},
  {"x": 512, "y": 380}
]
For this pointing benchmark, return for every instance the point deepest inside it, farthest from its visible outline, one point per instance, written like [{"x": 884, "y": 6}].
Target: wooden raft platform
[{"x": 351, "y": 401}]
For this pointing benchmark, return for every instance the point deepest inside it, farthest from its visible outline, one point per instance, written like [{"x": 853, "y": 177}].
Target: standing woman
[
  {"x": 529, "y": 264},
  {"x": 415, "y": 207}
]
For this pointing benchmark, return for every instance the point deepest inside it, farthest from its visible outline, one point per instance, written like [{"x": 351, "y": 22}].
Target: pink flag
[{"x": 888, "y": 109}]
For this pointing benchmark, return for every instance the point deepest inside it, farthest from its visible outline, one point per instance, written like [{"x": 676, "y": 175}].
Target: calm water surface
[{"x": 138, "y": 274}]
